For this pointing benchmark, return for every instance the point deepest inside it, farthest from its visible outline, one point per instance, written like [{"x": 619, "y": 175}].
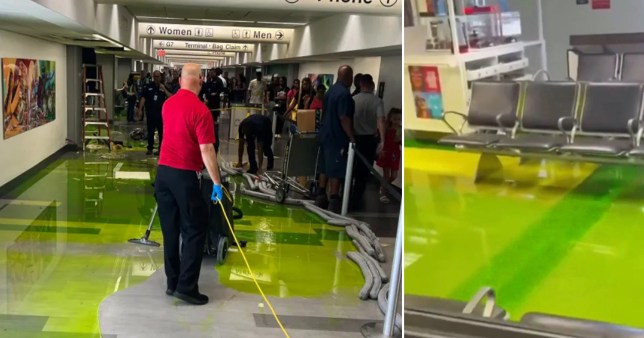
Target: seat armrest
[
  {"x": 541, "y": 72},
  {"x": 451, "y": 112},
  {"x": 636, "y": 128},
  {"x": 573, "y": 129},
  {"x": 514, "y": 126}
]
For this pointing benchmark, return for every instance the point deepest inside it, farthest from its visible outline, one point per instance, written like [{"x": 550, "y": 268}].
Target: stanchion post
[
  {"x": 347, "y": 179},
  {"x": 394, "y": 285}
]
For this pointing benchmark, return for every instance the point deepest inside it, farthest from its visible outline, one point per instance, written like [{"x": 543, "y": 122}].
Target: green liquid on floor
[
  {"x": 564, "y": 238},
  {"x": 64, "y": 244}
]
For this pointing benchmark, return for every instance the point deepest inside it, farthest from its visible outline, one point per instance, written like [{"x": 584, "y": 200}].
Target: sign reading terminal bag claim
[
  {"x": 216, "y": 33},
  {"x": 204, "y": 45}
]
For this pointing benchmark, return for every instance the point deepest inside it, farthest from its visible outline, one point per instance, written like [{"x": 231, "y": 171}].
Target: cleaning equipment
[
  {"x": 145, "y": 239},
  {"x": 252, "y": 274}
]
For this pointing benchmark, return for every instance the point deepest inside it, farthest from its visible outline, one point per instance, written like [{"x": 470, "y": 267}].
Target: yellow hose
[{"x": 252, "y": 274}]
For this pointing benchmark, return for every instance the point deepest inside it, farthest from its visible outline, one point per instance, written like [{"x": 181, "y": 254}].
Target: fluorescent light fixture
[
  {"x": 100, "y": 37},
  {"x": 194, "y": 19},
  {"x": 282, "y": 23},
  {"x": 226, "y": 21}
]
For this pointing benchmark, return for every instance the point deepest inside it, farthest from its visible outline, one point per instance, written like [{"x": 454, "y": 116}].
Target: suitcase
[{"x": 218, "y": 235}]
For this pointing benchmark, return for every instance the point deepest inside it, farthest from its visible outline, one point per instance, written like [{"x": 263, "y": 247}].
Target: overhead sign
[
  {"x": 196, "y": 52},
  {"x": 189, "y": 57},
  {"x": 218, "y": 33},
  {"x": 392, "y": 7},
  {"x": 204, "y": 45}
]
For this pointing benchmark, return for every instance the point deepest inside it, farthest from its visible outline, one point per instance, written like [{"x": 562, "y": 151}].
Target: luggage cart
[{"x": 300, "y": 160}]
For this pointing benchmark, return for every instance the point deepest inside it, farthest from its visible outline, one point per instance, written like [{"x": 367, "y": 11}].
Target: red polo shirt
[{"x": 187, "y": 123}]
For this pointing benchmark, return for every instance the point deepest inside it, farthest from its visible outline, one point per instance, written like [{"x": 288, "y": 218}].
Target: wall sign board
[
  {"x": 601, "y": 4},
  {"x": 216, "y": 33},
  {"x": 204, "y": 45}
]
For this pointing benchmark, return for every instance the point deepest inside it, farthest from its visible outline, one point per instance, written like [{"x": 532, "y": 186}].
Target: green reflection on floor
[
  {"x": 64, "y": 232},
  {"x": 561, "y": 238}
]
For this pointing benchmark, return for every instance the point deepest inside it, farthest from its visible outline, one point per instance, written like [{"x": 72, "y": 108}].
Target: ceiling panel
[{"x": 195, "y": 15}]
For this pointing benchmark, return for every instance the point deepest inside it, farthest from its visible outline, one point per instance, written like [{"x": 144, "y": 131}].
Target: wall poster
[
  {"x": 426, "y": 87},
  {"x": 29, "y": 94},
  {"x": 324, "y": 79}
]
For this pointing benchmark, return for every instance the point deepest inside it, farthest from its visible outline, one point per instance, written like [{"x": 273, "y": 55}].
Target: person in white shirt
[
  {"x": 369, "y": 131},
  {"x": 257, "y": 91}
]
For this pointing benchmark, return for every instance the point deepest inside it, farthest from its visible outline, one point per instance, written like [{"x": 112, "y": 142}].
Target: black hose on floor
[{"x": 237, "y": 213}]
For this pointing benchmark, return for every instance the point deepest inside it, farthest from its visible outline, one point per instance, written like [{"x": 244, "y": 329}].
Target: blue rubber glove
[{"x": 217, "y": 193}]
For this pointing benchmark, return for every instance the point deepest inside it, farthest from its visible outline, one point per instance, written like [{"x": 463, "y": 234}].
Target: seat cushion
[
  {"x": 579, "y": 327},
  {"x": 532, "y": 142},
  {"x": 421, "y": 303},
  {"x": 598, "y": 146},
  {"x": 471, "y": 140}
]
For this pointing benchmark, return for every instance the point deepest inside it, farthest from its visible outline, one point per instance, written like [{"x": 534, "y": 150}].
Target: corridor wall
[{"x": 22, "y": 152}]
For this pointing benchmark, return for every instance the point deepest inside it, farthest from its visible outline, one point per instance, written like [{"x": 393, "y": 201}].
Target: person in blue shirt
[{"x": 336, "y": 132}]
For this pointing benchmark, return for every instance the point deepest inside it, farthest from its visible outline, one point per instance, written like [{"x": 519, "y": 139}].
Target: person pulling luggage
[{"x": 256, "y": 128}]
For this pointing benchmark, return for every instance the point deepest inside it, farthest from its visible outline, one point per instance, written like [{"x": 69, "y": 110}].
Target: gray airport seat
[
  {"x": 579, "y": 327},
  {"x": 633, "y": 67},
  {"x": 493, "y": 108},
  {"x": 548, "y": 109},
  {"x": 597, "y": 67},
  {"x": 610, "y": 110}
]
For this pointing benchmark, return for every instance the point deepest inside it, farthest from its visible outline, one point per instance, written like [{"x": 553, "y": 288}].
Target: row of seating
[
  {"x": 436, "y": 317},
  {"x": 602, "y": 67},
  {"x": 561, "y": 118}
]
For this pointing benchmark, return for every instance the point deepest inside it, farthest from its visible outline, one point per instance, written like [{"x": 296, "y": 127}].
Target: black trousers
[
  {"x": 155, "y": 122},
  {"x": 214, "y": 110},
  {"x": 367, "y": 146},
  {"x": 267, "y": 148},
  {"x": 182, "y": 211}
]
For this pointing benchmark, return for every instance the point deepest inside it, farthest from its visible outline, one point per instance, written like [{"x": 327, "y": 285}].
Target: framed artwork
[
  {"x": 318, "y": 79},
  {"x": 29, "y": 93}
]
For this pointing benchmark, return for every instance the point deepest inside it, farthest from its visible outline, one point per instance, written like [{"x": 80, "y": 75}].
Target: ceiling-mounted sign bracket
[{"x": 218, "y": 33}]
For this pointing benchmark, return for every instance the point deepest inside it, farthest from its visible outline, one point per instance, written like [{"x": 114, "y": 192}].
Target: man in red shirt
[{"x": 188, "y": 145}]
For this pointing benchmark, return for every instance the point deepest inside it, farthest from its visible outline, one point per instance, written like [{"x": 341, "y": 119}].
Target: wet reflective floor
[
  {"x": 559, "y": 238},
  {"x": 63, "y": 246}
]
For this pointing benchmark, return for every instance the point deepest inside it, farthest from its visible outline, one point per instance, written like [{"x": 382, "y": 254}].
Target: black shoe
[
  {"x": 196, "y": 299},
  {"x": 149, "y": 152},
  {"x": 169, "y": 292},
  {"x": 335, "y": 205},
  {"x": 321, "y": 201}
]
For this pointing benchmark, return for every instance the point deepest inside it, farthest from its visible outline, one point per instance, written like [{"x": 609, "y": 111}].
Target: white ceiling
[{"x": 224, "y": 17}]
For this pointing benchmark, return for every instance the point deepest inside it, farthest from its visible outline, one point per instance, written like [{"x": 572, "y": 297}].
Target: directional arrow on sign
[
  {"x": 245, "y": 47},
  {"x": 279, "y": 35},
  {"x": 150, "y": 30}
]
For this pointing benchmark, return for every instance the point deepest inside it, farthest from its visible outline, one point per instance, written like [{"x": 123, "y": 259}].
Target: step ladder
[
  {"x": 95, "y": 178},
  {"x": 95, "y": 114}
]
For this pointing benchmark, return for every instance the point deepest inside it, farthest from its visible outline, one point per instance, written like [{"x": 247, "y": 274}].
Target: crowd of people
[
  {"x": 346, "y": 117},
  {"x": 188, "y": 114}
]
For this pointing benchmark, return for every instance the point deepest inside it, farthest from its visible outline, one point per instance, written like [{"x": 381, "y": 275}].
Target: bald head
[
  {"x": 345, "y": 75},
  {"x": 191, "y": 78},
  {"x": 156, "y": 76}
]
